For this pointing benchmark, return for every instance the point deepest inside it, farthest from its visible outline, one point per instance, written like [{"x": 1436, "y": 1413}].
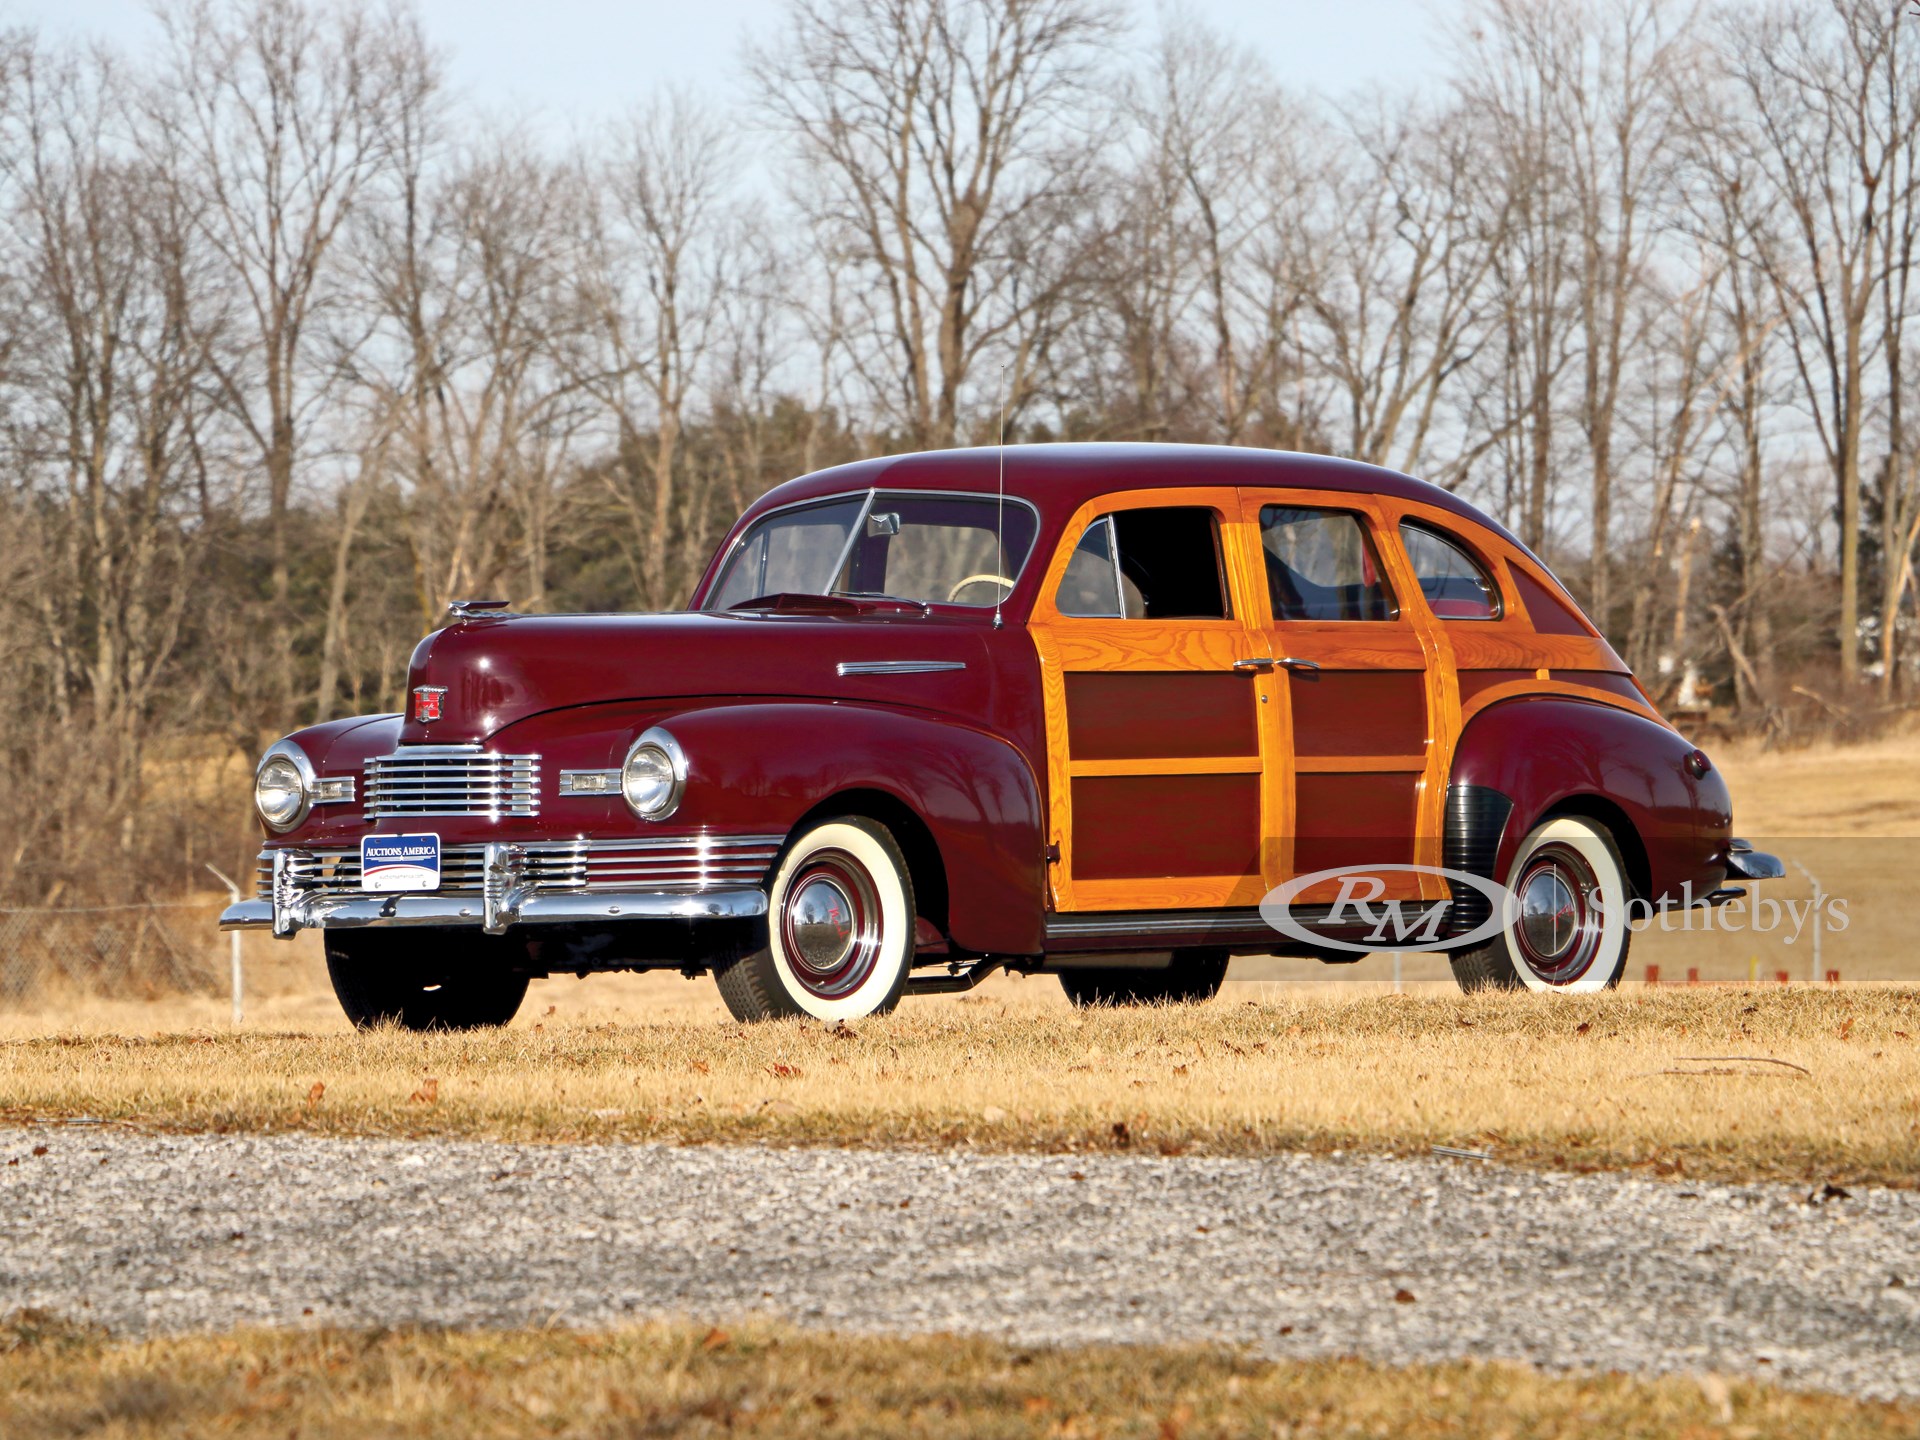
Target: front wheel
[
  {"x": 1193, "y": 977},
  {"x": 425, "y": 979},
  {"x": 840, "y": 923},
  {"x": 1570, "y": 921}
]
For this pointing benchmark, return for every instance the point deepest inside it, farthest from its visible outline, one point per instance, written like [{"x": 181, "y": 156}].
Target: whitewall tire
[
  {"x": 840, "y": 929},
  {"x": 1570, "y": 932}
]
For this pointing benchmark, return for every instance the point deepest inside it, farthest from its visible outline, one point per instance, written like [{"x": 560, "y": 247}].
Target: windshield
[{"x": 938, "y": 549}]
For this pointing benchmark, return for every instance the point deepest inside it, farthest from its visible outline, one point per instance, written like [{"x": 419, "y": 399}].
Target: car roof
[{"x": 1059, "y": 478}]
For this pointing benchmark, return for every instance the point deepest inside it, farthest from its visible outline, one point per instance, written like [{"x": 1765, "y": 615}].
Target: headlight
[
  {"x": 654, "y": 775},
  {"x": 283, "y": 787}
]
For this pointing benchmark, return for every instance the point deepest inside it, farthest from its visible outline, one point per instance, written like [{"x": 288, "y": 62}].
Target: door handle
[
  {"x": 1293, "y": 662},
  {"x": 1257, "y": 662}
]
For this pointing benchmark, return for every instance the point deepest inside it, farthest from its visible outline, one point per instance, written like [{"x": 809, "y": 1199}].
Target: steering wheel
[{"x": 985, "y": 578}]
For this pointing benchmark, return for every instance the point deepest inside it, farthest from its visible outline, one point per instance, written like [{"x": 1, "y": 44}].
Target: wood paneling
[
  {"x": 1162, "y": 827},
  {"x": 1368, "y": 785},
  {"x": 1472, "y": 682},
  {"x": 1122, "y": 715},
  {"x": 1355, "y": 820},
  {"x": 1358, "y": 712},
  {"x": 1156, "y": 760}
]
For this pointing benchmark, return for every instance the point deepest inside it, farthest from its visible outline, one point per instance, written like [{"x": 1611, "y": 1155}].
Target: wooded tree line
[{"x": 296, "y": 344}]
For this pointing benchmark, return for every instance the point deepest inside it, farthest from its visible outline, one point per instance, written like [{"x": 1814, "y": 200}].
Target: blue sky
[{"x": 574, "y": 61}]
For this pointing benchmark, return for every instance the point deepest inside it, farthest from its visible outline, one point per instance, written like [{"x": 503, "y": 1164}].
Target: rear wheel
[
  {"x": 1193, "y": 977},
  {"x": 425, "y": 979},
  {"x": 840, "y": 923},
  {"x": 1570, "y": 927}
]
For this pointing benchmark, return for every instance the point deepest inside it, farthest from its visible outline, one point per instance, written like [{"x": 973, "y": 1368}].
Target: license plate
[{"x": 400, "y": 862}]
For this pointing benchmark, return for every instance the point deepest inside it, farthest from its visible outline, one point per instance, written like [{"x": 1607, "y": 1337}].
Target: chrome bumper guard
[
  {"x": 1746, "y": 863},
  {"x": 506, "y": 898}
]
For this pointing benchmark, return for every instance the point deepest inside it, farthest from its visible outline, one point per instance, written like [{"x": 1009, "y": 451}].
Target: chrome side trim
[{"x": 896, "y": 667}]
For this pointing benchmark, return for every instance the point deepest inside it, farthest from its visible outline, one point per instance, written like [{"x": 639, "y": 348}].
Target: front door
[
  {"x": 1155, "y": 743},
  {"x": 1357, "y": 693}
]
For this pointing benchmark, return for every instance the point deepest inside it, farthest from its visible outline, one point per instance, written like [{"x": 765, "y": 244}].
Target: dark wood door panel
[
  {"x": 1132, "y": 714},
  {"x": 1134, "y": 827},
  {"x": 1355, "y": 820},
  {"x": 1359, "y": 712}
]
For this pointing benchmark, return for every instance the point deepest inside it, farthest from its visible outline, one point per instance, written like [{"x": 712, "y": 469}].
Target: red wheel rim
[
  {"x": 830, "y": 924},
  {"x": 1558, "y": 930}
]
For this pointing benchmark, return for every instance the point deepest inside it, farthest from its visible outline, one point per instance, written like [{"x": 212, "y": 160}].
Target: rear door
[
  {"x": 1156, "y": 756},
  {"x": 1357, "y": 689}
]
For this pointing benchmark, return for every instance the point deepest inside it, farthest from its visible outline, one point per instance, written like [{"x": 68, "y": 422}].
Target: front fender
[
  {"x": 762, "y": 767},
  {"x": 1547, "y": 754},
  {"x": 766, "y": 766}
]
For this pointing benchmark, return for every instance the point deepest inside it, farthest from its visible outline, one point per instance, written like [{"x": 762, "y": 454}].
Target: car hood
[{"x": 495, "y": 671}]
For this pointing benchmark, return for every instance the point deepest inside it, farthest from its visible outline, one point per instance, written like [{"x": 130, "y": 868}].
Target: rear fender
[{"x": 1562, "y": 756}]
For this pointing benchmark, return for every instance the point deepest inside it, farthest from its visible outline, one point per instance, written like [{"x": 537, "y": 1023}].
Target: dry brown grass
[
  {"x": 1581, "y": 1083},
  {"x": 59, "y": 1380}
]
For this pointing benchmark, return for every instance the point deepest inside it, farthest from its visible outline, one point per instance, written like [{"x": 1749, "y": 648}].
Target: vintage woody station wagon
[{"x": 1078, "y": 709}]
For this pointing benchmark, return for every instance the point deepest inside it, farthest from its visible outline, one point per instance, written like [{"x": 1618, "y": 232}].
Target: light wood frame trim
[{"x": 1087, "y": 643}]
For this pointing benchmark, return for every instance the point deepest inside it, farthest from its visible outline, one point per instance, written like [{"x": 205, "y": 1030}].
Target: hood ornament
[
  {"x": 427, "y": 702},
  {"x": 464, "y": 610}
]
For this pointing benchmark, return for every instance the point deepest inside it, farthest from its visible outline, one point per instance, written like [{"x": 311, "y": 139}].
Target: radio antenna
[{"x": 1000, "y": 507}]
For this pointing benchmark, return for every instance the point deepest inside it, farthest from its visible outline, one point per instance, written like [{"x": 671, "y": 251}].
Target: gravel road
[{"x": 1396, "y": 1260}]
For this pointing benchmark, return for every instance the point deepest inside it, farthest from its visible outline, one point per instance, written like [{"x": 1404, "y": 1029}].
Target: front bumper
[{"x": 508, "y": 895}]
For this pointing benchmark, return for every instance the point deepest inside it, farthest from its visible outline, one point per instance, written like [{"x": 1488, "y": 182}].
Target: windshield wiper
[{"x": 924, "y": 606}]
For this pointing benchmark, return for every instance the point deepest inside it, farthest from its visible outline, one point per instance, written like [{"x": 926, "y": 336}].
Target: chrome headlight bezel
[
  {"x": 285, "y": 754},
  {"x": 657, "y": 747}
]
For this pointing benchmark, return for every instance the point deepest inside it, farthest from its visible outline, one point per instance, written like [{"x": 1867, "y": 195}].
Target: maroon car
[{"x": 1113, "y": 712}]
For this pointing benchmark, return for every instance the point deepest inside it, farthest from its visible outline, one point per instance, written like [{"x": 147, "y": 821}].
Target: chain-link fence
[{"x": 122, "y": 950}]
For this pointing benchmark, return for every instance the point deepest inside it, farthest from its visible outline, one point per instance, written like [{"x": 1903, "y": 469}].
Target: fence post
[
  {"x": 1819, "y": 898},
  {"x": 234, "y": 891}
]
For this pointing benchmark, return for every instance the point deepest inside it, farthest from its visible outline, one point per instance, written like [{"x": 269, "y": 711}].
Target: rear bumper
[{"x": 505, "y": 899}]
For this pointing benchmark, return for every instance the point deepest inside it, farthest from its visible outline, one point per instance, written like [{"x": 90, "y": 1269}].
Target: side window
[
  {"x": 1456, "y": 585},
  {"x": 1091, "y": 585},
  {"x": 1321, "y": 566},
  {"x": 1160, "y": 564}
]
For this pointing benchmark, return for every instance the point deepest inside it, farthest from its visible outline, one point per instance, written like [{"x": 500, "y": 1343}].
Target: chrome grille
[
  {"x": 451, "y": 780},
  {"x": 672, "y": 863}
]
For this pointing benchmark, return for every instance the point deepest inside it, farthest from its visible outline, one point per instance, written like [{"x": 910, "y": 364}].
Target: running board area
[{"x": 1240, "y": 926}]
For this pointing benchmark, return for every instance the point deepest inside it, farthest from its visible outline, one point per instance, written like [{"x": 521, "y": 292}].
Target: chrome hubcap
[
  {"x": 1549, "y": 914},
  {"x": 830, "y": 924},
  {"x": 823, "y": 929},
  {"x": 1559, "y": 927}
]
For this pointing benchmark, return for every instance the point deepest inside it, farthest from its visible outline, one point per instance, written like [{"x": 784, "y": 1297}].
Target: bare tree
[
  {"x": 656, "y": 258},
  {"x": 105, "y": 396},
  {"x": 1511, "y": 106},
  {"x": 1217, "y": 134},
  {"x": 1397, "y": 269},
  {"x": 272, "y": 115},
  {"x": 940, "y": 138},
  {"x": 1830, "y": 120}
]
